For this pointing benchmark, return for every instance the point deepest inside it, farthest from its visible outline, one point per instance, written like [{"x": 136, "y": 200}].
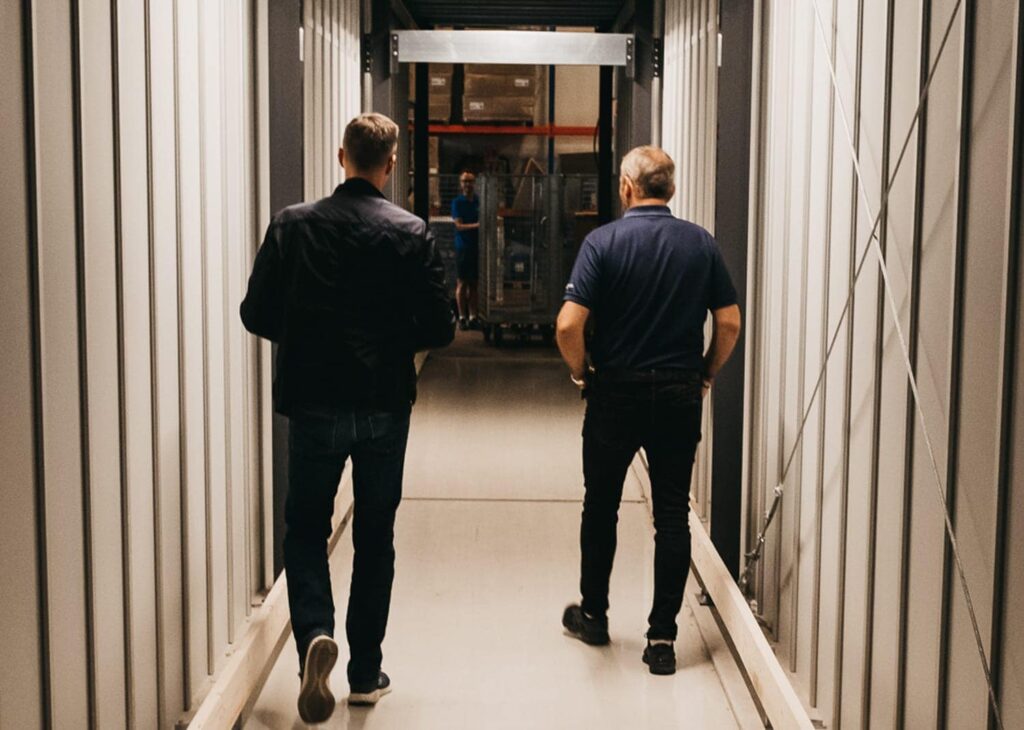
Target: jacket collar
[
  {"x": 359, "y": 187},
  {"x": 661, "y": 210}
]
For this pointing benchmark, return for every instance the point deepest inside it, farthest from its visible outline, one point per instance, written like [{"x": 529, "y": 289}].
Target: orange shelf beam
[{"x": 511, "y": 129}]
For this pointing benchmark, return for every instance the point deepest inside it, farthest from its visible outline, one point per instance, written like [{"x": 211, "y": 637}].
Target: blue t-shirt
[
  {"x": 649, "y": 280},
  {"x": 468, "y": 211}
]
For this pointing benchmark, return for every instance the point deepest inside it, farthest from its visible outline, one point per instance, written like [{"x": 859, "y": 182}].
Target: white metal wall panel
[
  {"x": 22, "y": 674},
  {"x": 689, "y": 136},
  {"x": 934, "y": 334},
  {"x": 985, "y": 227},
  {"x": 128, "y": 140},
  {"x": 136, "y": 314},
  {"x": 166, "y": 346},
  {"x": 816, "y": 201},
  {"x": 214, "y": 224},
  {"x": 237, "y": 215},
  {"x": 884, "y": 638},
  {"x": 60, "y": 376},
  {"x": 794, "y": 291},
  {"x": 99, "y": 241},
  {"x": 191, "y": 357},
  {"x": 868, "y": 110},
  {"x": 332, "y": 95},
  {"x": 856, "y": 584},
  {"x": 1011, "y": 666}
]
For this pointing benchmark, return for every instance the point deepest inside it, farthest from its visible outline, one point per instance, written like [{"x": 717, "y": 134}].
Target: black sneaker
[
  {"x": 660, "y": 658},
  {"x": 588, "y": 629},
  {"x": 463, "y": 324},
  {"x": 370, "y": 693},
  {"x": 316, "y": 701}
]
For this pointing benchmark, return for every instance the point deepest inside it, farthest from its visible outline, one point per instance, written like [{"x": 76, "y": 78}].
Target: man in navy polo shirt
[
  {"x": 466, "y": 215},
  {"x": 649, "y": 281}
]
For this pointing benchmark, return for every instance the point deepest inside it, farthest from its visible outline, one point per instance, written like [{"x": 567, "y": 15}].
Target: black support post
[
  {"x": 286, "y": 188},
  {"x": 604, "y": 147},
  {"x": 421, "y": 143},
  {"x": 732, "y": 193}
]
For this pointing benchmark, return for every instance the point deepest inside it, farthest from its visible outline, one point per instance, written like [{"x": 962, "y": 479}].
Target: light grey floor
[{"x": 488, "y": 558}]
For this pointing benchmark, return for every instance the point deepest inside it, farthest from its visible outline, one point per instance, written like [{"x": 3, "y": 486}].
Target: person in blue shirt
[
  {"x": 649, "y": 280},
  {"x": 466, "y": 215}
]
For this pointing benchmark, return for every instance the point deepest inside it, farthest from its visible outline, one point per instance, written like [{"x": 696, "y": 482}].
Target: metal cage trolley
[{"x": 526, "y": 251}]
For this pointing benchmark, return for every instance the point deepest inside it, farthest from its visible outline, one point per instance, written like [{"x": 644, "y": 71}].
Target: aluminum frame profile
[{"x": 539, "y": 48}]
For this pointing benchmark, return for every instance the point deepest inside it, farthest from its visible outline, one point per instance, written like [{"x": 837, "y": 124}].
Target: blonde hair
[
  {"x": 651, "y": 170},
  {"x": 370, "y": 140}
]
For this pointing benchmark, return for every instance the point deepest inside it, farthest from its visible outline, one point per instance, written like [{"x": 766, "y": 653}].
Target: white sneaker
[{"x": 370, "y": 695}]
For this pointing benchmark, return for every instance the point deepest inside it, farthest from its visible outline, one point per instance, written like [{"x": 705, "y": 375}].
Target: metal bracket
[
  {"x": 704, "y": 599},
  {"x": 657, "y": 56},
  {"x": 367, "y": 48},
  {"x": 631, "y": 57},
  {"x": 394, "y": 54}
]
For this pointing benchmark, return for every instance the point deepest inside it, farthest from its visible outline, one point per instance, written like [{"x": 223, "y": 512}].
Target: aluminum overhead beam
[{"x": 538, "y": 48}]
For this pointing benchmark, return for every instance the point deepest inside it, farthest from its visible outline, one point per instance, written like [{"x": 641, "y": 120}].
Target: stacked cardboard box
[
  {"x": 498, "y": 93},
  {"x": 439, "y": 79},
  {"x": 435, "y": 168}
]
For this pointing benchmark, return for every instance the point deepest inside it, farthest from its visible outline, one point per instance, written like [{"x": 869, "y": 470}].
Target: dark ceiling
[{"x": 492, "y": 13}]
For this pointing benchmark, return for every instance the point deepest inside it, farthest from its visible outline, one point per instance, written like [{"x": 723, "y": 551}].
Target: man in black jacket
[{"x": 350, "y": 288}]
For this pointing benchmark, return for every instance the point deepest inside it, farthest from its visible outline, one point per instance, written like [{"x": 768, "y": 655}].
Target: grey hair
[{"x": 651, "y": 170}]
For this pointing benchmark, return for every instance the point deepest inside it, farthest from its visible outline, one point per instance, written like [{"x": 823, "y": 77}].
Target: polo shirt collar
[
  {"x": 359, "y": 187},
  {"x": 661, "y": 210}
]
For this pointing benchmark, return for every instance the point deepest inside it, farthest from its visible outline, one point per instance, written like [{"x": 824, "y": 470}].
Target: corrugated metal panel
[
  {"x": 137, "y": 198},
  {"x": 859, "y": 583}
]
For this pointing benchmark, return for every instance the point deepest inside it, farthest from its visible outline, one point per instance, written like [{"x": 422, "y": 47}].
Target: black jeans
[
  {"x": 318, "y": 446},
  {"x": 664, "y": 419}
]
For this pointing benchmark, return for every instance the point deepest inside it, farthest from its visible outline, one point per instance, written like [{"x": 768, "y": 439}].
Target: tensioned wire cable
[{"x": 874, "y": 245}]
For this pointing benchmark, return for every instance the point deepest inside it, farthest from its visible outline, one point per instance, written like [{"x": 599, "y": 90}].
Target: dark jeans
[
  {"x": 318, "y": 445},
  {"x": 665, "y": 420}
]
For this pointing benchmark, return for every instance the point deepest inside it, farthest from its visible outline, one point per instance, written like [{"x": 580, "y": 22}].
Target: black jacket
[{"x": 350, "y": 288}]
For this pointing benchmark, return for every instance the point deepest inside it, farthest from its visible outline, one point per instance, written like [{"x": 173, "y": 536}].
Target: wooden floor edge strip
[
  {"x": 772, "y": 689},
  {"x": 730, "y": 674}
]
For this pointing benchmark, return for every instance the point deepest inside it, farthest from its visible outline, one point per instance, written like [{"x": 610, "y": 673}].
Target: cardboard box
[
  {"x": 440, "y": 110},
  {"x": 440, "y": 75},
  {"x": 483, "y": 85},
  {"x": 498, "y": 109},
  {"x": 499, "y": 69}
]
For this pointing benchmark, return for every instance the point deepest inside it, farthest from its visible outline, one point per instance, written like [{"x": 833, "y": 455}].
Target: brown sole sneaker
[{"x": 316, "y": 701}]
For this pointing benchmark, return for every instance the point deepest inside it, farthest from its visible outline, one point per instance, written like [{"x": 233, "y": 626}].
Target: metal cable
[{"x": 875, "y": 245}]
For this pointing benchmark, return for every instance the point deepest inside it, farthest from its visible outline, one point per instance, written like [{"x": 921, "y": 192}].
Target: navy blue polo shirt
[
  {"x": 466, "y": 210},
  {"x": 649, "y": 280}
]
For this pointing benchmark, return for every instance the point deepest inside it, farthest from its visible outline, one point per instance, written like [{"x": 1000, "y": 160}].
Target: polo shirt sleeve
[
  {"x": 456, "y": 213},
  {"x": 585, "y": 278},
  {"x": 721, "y": 292}
]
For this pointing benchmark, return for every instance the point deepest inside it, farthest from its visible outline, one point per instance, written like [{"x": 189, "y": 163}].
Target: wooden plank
[{"x": 769, "y": 682}]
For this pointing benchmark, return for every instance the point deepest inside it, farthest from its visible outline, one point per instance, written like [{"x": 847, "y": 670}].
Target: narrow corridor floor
[{"x": 488, "y": 556}]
